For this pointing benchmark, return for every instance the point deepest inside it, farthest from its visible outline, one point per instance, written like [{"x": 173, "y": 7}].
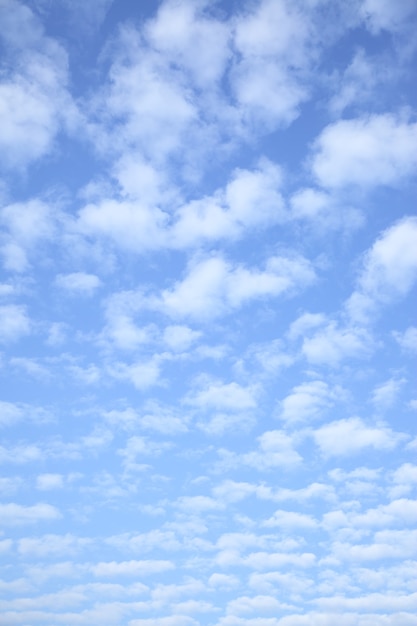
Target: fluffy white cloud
[
  {"x": 141, "y": 86},
  {"x": 46, "y": 482},
  {"x": 142, "y": 373},
  {"x": 271, "y": 40},
  {"x": 389, "y": 269},
  {"x": 217, "y": 395},
  {"x": 376, "y": 150},
  {"x": 173, "y": 620},
  {"x": 55, "y": 545},
  {"x": 386, "y": 544},
  {"x": 332, "y": 344},
  {"x": 256, "y": 604},
  {"x": 251, "y": 199},
  {"x": 10, "y": 413},
  {"x": 26, "y": 224},
  {"x": 17, "y": 514},
  {"x": 407, "y": 339},
  {"x": 398, "y": 513},
  {"x": 132, "y": 226},
  {"x": 384, "y": 395},
  {"x": 121, "y": 329},
  {"x": 391, "y": 264},
  {"x": 352, "y": 435},
  {"x": 34, "y": 102},
  {"x": 275, "y": 449},
  {"x": 385, "y": 15},
  {"x": 131, "y": 568},
  {"x": 179, "y": 30},
  {"x": 14, "y": 322},
  {"x": 140, "y": 448},
  {"x": 179, "y": 338},
  {"x": 291, "y": 520},
  {"x": 308, "y": 401},
  {"x": 213, "y": 286},
  {"x": 306, "y": 322},
  {"x": 404, "y": 480},
  {"x": 78, "y": 282}
]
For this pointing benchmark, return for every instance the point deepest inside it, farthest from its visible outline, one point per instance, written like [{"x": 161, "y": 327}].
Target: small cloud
[
  {"x": 47, "y": 482},
  {"x": 17, "y": 514},
  {"x": 353, "y": 435},
  {"x": 78, "y": 282}
]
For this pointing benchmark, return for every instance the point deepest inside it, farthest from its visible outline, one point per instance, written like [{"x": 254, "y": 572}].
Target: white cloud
[
  {"x": 27, "y": 225},
  {"x": 385, "y": 15},
  {"x": 142, "y": 373},
  {"x": 141, "y": 447},
  {"x": 34, "y": 102},
  {"x": 193, "y": 606},
  {"x": 275, "y": 449},
  {"x": 271, "y": 357},
  {"x": 385, "y": 395},
  {"x": 141, "y": 86},
  {"x": 270, "y": 39},
  {"x": 10, "y": 413},
  {"x": 213, "y": 287},
  {"x": 352, "y": 435},
  {"x": 305, "y": 323},
  {"x": 256, "y": 604},
  {"x": 46, "y": 482},
  {"x": 180, "y": 338},
  {"x": 385, "y": 602},
  {"x": 387, "y": 544},
  {"x": 308, "y": 401},
  {"x": 217, "y": 395},
  {"x": 223, "y": 581},
  {"x": 10, "y": 484},
  {"x": 389, "y": 269},
  {"x": 120, "y": 312},
  {"x": 145, "y": 542},
  {"x": 23, "y": 453},
  {"x": 197, "y": 505},
  {"x": 407, "y": 339},
  {"x": 270, "y": 560},
  {"x": 399, "y": 513},
  {"x": 332, "y": 344},
  {"x": 31, "y": 367},
  {"x": 174, "y": 620},
  {"x": 131, "y": 568},
  {"x": 251, "y": 199},
  {"x": 391, "y": 264},
  {"x": 404, "y": 480},
  {"x": 358, "y": 82},
  {"x": 163, "y": 419},
  {"x": 224, "y": 406},
  {"x": 14, "y": 322},
  {"x": 132, "y": 226},
  {"x": 17, "y": 514},
  {"x": 311, "y": 492},
  {"x": 78, "y": 282},
  {"x": 376, "y": 150},
  {"x": 180, "y": 29},
  {"x": 291, "y": 520},
  {"x": 55, "y": 545}
]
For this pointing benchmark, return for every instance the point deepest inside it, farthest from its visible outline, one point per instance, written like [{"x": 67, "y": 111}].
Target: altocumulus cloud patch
[{"x": 207, "y": 338}]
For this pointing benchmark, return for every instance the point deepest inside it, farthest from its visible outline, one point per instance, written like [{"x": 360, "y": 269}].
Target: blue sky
[{"x": 207, "y": 340}]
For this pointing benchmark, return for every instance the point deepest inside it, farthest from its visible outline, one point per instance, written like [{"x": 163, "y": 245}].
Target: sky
[{"x": 208, "y": 248}]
